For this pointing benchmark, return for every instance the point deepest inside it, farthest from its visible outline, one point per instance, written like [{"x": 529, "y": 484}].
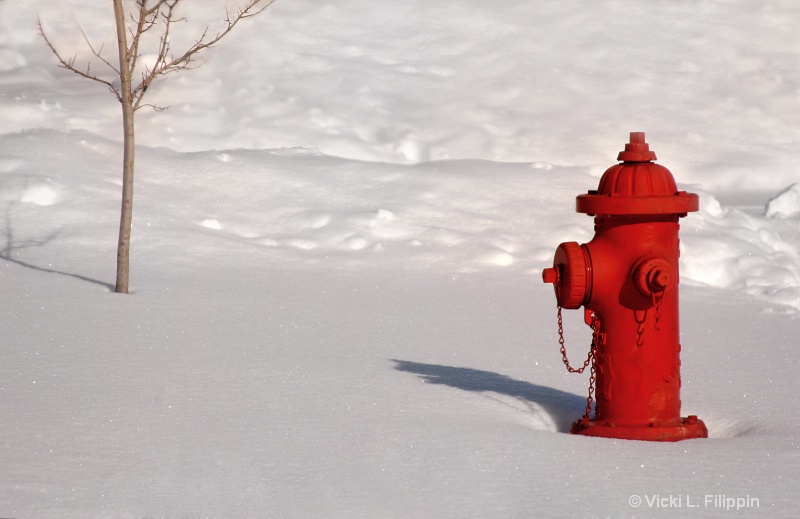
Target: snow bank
[
  {"x": 731, "y": 249},
  {"x": 297, "y": 207},
  {"x": 785, "y": 204}
]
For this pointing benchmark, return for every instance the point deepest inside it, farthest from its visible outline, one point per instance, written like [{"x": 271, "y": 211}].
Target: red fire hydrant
[{"x": 627, "y": 280}]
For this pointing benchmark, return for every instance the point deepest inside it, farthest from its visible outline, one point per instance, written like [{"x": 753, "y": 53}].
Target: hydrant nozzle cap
[{"x": 637, "y": 150}]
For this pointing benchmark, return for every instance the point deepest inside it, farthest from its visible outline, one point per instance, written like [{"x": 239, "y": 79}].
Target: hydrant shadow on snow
[{"x": 561, "y": 407}]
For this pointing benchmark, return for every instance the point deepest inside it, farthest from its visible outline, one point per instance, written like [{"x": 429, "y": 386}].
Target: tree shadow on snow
[
  {"x": 562, "y": 407},
  {"x": 12, "y": 245}
]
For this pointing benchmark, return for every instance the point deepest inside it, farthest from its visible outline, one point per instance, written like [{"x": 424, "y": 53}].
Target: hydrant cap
[
  {"x": 570, "y": 275},
  {"x": 637, "y": 186}
]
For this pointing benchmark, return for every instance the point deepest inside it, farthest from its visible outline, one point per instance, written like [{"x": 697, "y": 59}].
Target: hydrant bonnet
[{"x": 637, "y": 186}]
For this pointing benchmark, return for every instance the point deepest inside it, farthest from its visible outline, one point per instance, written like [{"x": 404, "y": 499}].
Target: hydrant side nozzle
[
  {"x": 654, "y": 275},
  {"x": 570, "y": 275}
]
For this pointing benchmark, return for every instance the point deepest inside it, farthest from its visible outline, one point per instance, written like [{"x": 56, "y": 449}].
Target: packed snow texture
[
  {"x": 785, "y": 204},
  {"x": 339, "y": 229}
]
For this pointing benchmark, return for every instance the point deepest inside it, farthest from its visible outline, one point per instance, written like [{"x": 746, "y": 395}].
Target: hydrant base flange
[{"x": 689, "y": 428}]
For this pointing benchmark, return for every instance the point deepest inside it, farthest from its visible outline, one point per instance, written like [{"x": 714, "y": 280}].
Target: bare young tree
[{"x": 146, "y": 16}]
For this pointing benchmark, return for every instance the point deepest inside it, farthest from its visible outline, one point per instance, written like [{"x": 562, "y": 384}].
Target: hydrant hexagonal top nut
[{"x": 637, "y": 150}]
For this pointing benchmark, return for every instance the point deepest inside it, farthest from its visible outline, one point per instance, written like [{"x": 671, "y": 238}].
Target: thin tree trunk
[
  {"x": 159, "y": 12},
  {"x": 124, "y": 243}
]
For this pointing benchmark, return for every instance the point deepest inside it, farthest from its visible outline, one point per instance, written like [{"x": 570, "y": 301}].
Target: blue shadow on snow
[{"x": 562, "y": 407}]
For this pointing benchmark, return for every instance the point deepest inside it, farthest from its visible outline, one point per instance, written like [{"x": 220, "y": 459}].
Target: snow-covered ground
[{"x": 339, "y": 229}]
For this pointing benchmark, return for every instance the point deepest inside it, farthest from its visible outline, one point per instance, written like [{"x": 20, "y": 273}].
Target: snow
[
  {"x": 785, "y": 204},
  {"x": 339, "y": 229}
]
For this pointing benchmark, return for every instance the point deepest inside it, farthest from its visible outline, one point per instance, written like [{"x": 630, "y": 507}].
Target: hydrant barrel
[{"x": 627, "y": 277}]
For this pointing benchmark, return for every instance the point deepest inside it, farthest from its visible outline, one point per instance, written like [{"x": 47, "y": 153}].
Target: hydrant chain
[
  {"x": 591, "y": 359},
  {"x": 640, "y": 330},
  {"x": 564, "y": 349},
  {"x": 592, "y": 374},
  {"x": 658, "y": 298}
]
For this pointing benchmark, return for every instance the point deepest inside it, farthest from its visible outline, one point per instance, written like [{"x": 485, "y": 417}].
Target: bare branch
[
  {"x": 148, "y": 15},
  {"x": 69, "y": 64},
  {"x": 97, "y": 53},
  {"x": 165, "y": 64},
  {"x": 157, "y": 108},
  {"x": 201, "y": 44}
]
